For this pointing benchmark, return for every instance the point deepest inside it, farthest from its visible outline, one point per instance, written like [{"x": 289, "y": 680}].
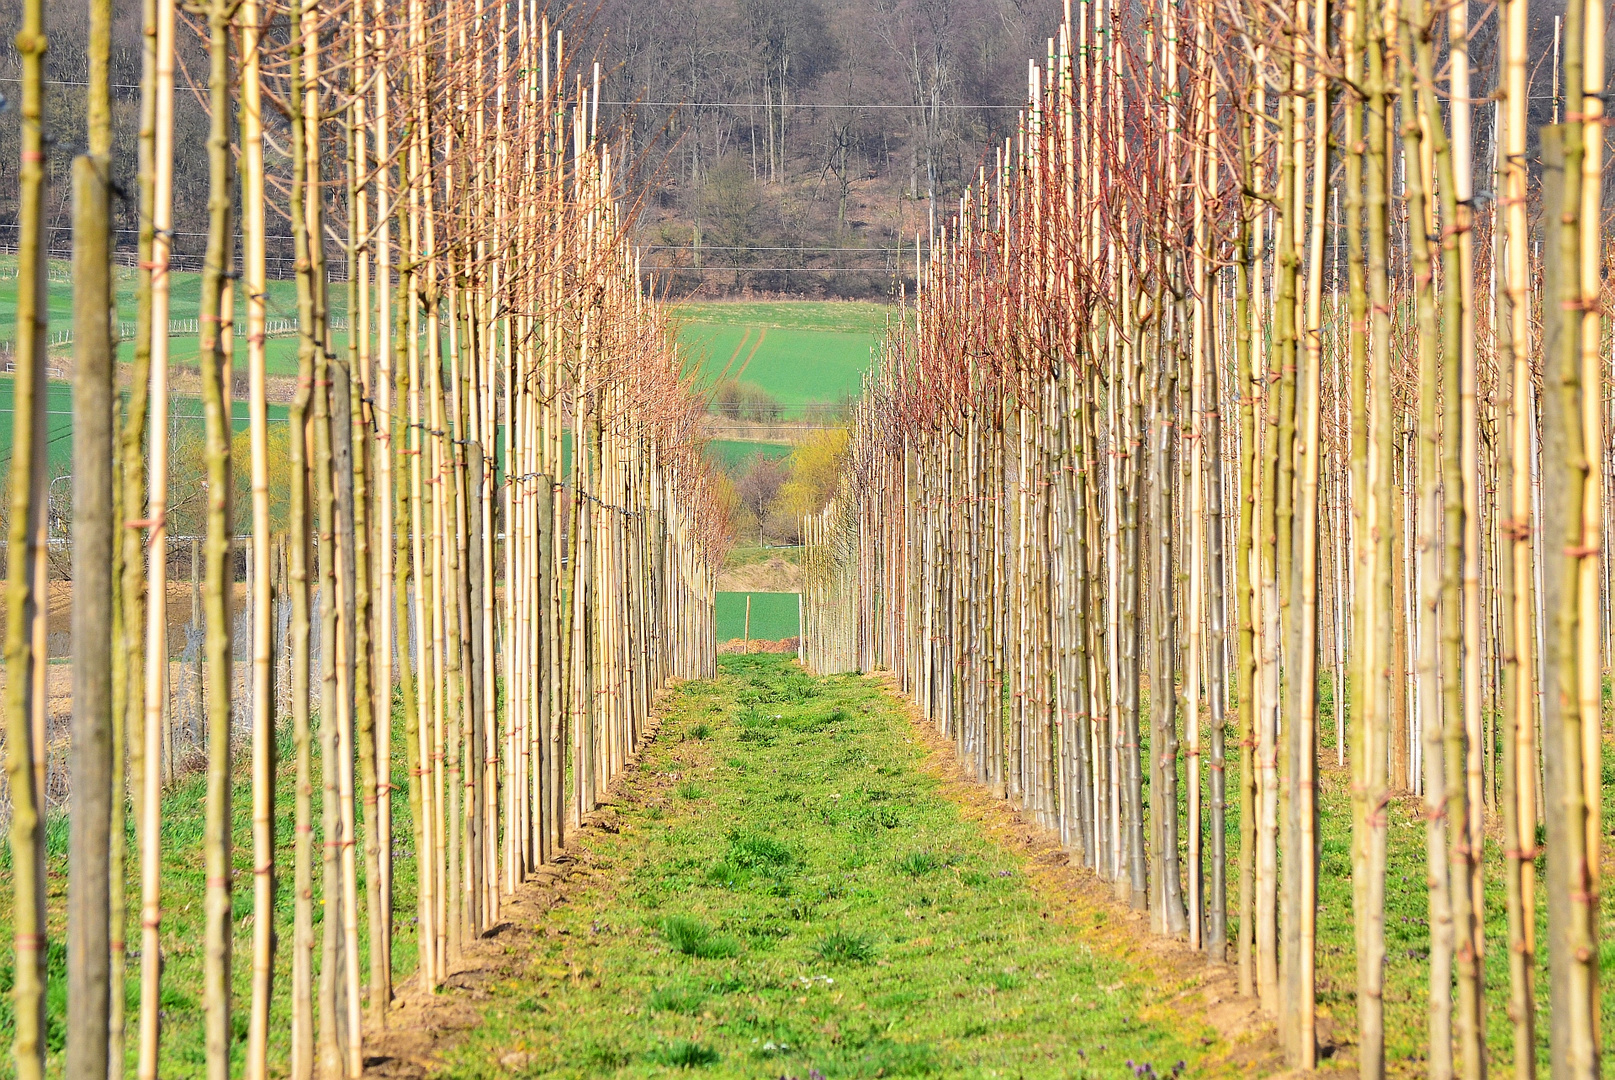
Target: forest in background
[
  {"x": 776, "y": 136},
  {"x": 788, "y": 148},
  {"x": 813, "y": 134}
]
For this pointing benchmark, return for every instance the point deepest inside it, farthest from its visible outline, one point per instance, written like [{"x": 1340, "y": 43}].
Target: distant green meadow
[
  {"x": 185, "y": 294},
  {"x": 800, "y": 352},
  {"x": 185, "y": 416},
  {"x": 774, "y": 615},
  {"x": 736, "y": 455}
]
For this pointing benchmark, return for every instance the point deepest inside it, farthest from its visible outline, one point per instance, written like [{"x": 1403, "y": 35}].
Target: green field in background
[
  {"x": 185, "y": 294},
  {"x": 185, "y": 418},
  {"x": 733, "y": 454},
  {"x": 808, "y": 352},
  {"x": 773, "y": 615}
]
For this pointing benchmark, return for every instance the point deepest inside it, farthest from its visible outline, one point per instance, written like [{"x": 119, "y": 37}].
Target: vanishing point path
[{"x": 794, "y": 882}]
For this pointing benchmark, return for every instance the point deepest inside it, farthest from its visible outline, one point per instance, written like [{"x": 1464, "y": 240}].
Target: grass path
[{"x": 790, "y": 885}]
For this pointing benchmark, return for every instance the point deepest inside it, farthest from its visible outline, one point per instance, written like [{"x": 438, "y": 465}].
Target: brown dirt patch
[
  {"x": 775, "y": 575},
  {"x": 1193, "y": 988},
  {"x": 740, "y": 646}
]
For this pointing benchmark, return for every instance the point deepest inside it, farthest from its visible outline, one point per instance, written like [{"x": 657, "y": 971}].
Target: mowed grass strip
[{"x": 791, "y": 895}]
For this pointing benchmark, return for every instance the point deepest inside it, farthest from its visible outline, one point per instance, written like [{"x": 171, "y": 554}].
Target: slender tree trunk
[{"x": 91, "y": 764}]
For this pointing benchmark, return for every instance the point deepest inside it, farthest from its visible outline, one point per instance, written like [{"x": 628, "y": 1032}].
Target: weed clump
[
  {"x": 684, "y": 1055},
  {"x": 692, "y": 937},
  {"x": 840, "y": 947},
  {"x": 919, "y": 863},
  {"x": 606, "y": 1055},
  {"x": 757, "y": 727},
  {"x": 757, "y": 851},
  {"x": 676, "y": 999},
  {"x": 701, "y": 732},
  {"x": 888, "y": 1058},
  {"x": 883, "y": 817},
  {"x": 1004, "y": 981},
  {"x": 689, "y": 789}
]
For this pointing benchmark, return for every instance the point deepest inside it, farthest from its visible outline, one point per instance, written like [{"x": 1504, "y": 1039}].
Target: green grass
[
  {"x": 747, "y": 554},
  {"x": 845, "y": 964},
  {"x": 185, "y": 417},
  {"x": 800, "y": 352},
  {"x": 183, "y": 880},
  {"x": 1407, "y": 913},
  {"x": 185, "y": 299},
  {"x": 773, "y": 615},
  {"x": 735, "y": 455},
  {"x": 1407, "y": 921}
]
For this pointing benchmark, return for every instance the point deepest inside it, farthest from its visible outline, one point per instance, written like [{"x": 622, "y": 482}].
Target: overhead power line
[
  {"x": 796, "y": 105},
  {"x": 656, "y": 104},
  {"x": 778, "y": 269}
]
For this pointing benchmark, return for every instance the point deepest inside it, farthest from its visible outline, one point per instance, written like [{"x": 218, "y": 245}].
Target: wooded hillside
[{"x": 777, "y": 129}]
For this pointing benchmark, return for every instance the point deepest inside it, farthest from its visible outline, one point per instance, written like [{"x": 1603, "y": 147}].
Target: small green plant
[
  {"x": 757, "y": 736},
  {"x": 754, "y": 850},
  {"x": 887, "y": 1058},
  {"x": 677, "y": 999},
  {"x": 701, "y": 732},
  {"x": 919, "y": 863},
  {"x": 840, "y": 947},
  {"x": 884, "y": 817},
  {"x": 689, "y": 789},
  {"x": 694, "y": 938},
  {"x": 606, "y": 1055},
  {"x": 1005, "y": 980},
  {"x": 684, "y": 1055}
]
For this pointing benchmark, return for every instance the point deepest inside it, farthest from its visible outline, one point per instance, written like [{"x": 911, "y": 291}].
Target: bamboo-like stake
[
  {"x": 1303, "y": 859},
  {"x": 25, "y": 532},
  {"x": 156, "y": 658},
  {"x": 214, "y": 314},
  {"x": 304, "y": 165},
  {"x": 386, "y": 622},
  {"x": 254, "y": 286},
  {"x": 1244, "y": 564},
  {"x": 1520, "y": 723}
]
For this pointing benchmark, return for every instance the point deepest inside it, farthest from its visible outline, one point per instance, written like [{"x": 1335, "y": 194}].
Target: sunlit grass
[{"x": 817, "y": 806}]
